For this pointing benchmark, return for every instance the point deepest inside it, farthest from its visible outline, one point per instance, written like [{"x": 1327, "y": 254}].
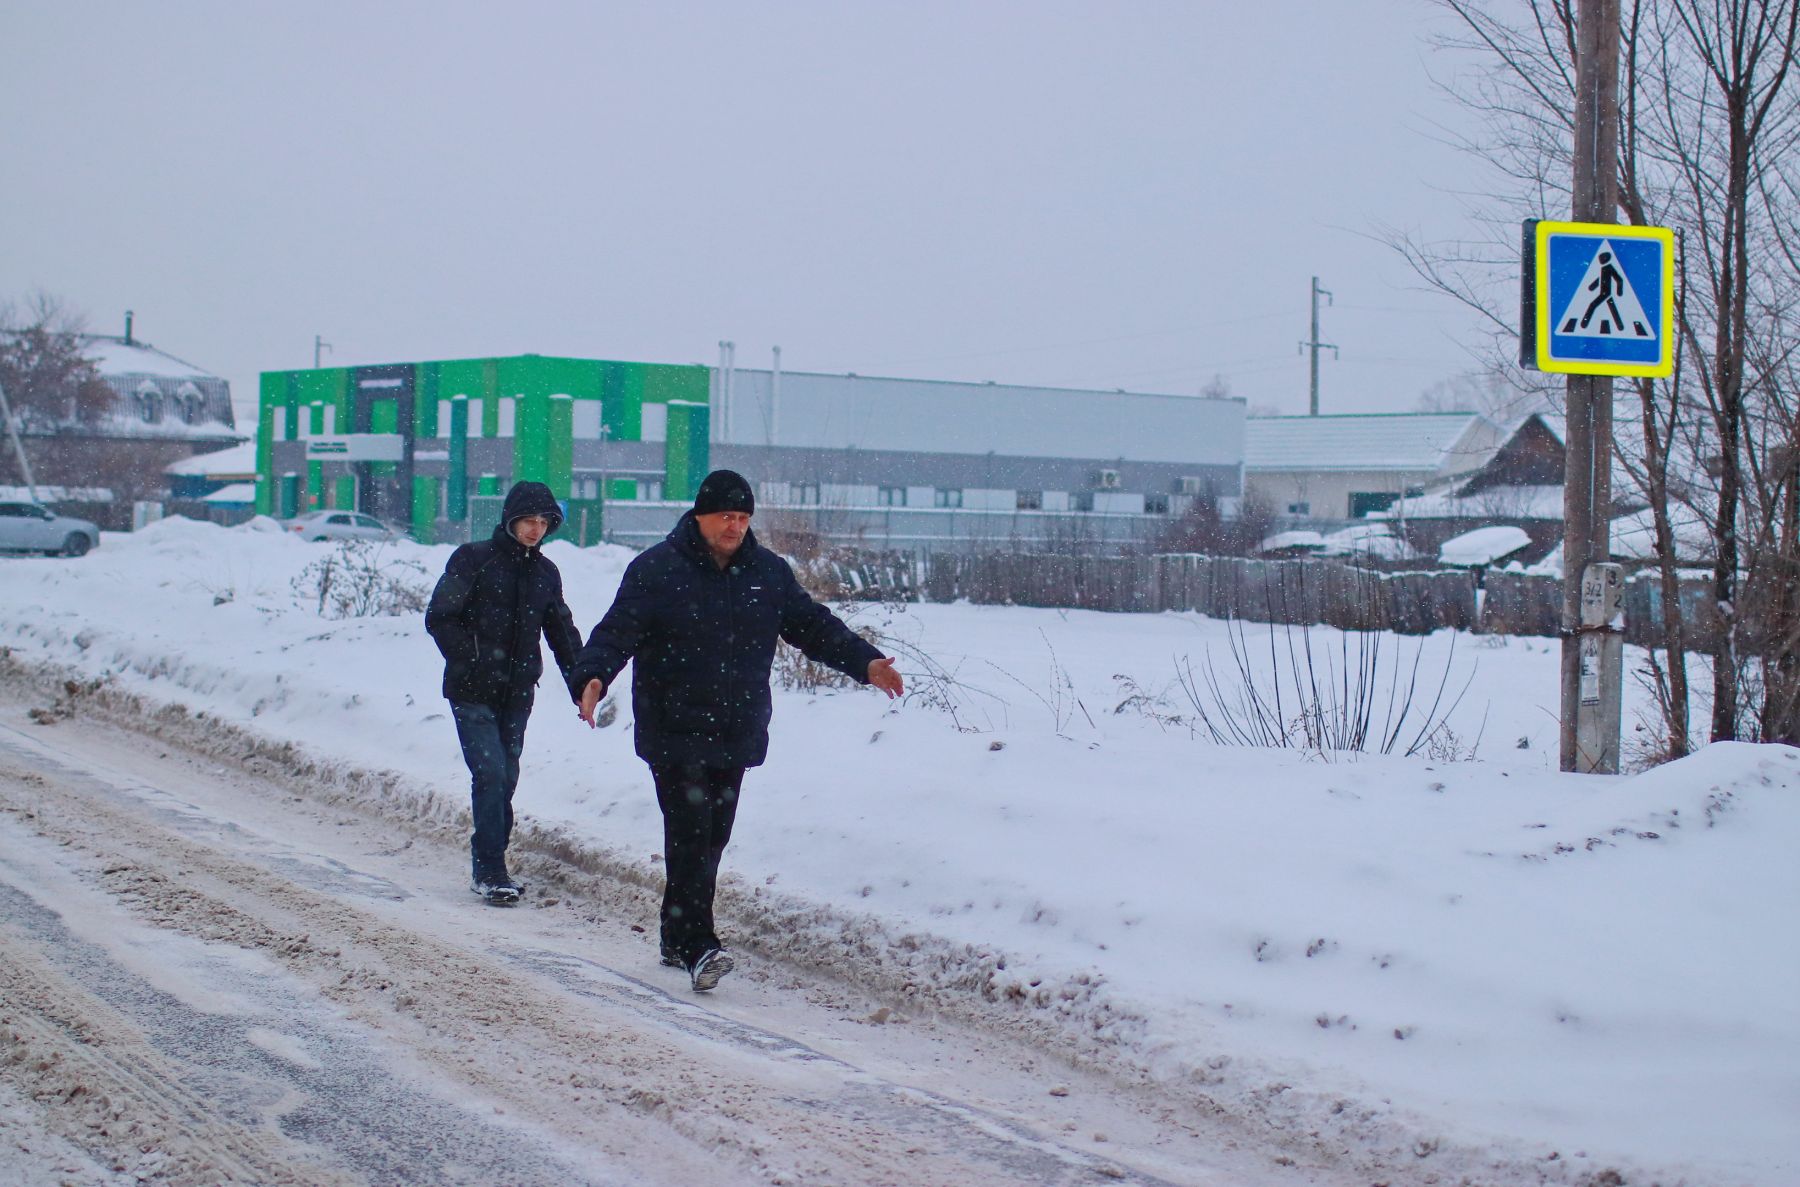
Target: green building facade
[{"x": 434, "y": 445}]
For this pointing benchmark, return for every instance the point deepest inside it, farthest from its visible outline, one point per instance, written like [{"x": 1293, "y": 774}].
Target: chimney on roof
[{"x": 128, "y": 327}]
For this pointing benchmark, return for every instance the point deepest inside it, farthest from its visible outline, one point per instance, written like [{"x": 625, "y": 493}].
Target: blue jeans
[{"x": 492, "y": 740}]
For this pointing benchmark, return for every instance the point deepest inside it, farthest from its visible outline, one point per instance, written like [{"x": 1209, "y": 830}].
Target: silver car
[
  {"x": 341, "y": 525},
  {"x": 28, "y": 527}
]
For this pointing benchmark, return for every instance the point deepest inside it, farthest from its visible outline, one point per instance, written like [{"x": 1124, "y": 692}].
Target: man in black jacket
[
  {"x": 700, "y": 613},
  {"x": 496, "y": 597}
]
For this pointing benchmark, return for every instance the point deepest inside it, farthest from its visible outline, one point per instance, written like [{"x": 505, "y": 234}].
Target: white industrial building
[{"x": 921, "y": 465}]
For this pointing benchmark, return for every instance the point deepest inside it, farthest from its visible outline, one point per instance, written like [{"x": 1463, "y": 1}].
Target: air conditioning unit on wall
[{"x": 1105, "y": 480}]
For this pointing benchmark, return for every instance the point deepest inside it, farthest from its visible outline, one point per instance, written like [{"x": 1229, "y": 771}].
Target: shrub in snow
[{"x": 356, "y": 580}]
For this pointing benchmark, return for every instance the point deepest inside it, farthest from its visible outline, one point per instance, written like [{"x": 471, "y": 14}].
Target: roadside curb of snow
[{"x": 1072, "y": 1016}]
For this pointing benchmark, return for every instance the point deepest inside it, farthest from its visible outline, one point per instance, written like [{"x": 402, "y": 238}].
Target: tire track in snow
[{"x": 837, "y": 1124}]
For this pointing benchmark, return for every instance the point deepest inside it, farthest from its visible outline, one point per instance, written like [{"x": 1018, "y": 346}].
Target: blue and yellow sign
[{"x": 1599, "y": 299}]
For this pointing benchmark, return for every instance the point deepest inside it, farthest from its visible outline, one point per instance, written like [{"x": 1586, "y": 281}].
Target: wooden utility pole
[
  {"x": 12, "y": 432},
  {"x": 1592, "y": 657}
]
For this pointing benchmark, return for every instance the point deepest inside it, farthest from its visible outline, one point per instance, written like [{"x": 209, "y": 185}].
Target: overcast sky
[{"x": 1085, "y": 195}]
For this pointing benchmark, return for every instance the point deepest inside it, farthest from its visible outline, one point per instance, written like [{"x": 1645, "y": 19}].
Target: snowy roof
[
  {"x": 1295, "y": 539},
  {"x": 1435, "y": 442},
  {"x": 1375, "y": 541},
  {"x": 1483, "y": 546},
  {"x": 236, "y": 493},
  {"x": 1634, "y": 535},
  {"x": 57, "y": 494},
  {"x": 113, "y": 356},
  {"x": 1494, "y": 502},
  {"x": 239, "y": 459}
]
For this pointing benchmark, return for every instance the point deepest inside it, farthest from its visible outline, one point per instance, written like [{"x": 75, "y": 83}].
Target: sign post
[
  {"x": 1598, "y": 301},
  {"x": 1602, "y": 644}
]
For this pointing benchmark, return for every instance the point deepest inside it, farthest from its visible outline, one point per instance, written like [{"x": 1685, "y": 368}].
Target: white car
[
  {"x": 341, "y": 525},
  {"x": 28, "y": 527}
]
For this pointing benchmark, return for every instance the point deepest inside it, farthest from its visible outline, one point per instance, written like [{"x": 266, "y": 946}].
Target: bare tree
[
  {"x": 49, "y": 382},
  {"x": 1707, "y": 122}
]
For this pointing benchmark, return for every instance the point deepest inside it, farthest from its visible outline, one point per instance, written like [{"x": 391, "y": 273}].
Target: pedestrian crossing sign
[{"x": 1599, "y": 299}]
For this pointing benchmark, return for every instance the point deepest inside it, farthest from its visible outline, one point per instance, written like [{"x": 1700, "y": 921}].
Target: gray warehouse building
[{"x": 926, "y": 465}]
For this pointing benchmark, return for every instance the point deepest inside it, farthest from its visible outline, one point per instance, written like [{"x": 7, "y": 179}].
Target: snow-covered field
[{"x": 1567, "y": 971}]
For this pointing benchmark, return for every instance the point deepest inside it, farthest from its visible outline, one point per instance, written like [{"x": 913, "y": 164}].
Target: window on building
[
  {"x": 1029, "y": 500},
  {"x": 149, "y": 405},
  {"x": 1299, "y": 508},
  {"x": 191, "y": 403},
  {"x": 806, "y": 492},
  {"x": 948, "y": 496},
  {"x": 891, "y": 496},
  {"x": 1081, "y": 500},
  {"x": 1366, "y": 502},
  {"x": 1156, "y": 504}
]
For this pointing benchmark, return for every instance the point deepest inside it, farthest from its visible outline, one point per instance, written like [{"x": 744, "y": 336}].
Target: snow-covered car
[
  {"x": 341, "y": 525},
  {"x": 30, "y": 527}
]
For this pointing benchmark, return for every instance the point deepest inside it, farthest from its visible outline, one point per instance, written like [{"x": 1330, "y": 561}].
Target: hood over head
[{"x": 531, "y": 498}]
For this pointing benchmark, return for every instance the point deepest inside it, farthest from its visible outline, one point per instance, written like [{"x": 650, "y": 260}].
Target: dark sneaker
[
  {"x": 712, "y": 966},
  {"x": 496, "y": 886},
  {"x": 672, "y": 959}
]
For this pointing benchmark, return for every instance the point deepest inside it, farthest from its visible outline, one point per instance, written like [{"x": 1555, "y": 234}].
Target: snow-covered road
[{"x": 206, "y": 975}]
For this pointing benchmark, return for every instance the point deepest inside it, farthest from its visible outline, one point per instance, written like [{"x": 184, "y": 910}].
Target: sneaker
[
  {"x": 672, "y": 959},
  {"x": 713, "y": 964},
  {"x": 496, "y": 886}
]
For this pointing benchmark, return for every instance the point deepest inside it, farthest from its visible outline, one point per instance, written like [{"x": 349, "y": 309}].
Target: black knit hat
[{"x": 725, "y": 490}]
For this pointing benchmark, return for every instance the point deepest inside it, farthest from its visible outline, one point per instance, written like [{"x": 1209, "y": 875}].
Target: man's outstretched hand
[
  {"x": 883, "y": 676},
  {"x": 590, "y": 697}
]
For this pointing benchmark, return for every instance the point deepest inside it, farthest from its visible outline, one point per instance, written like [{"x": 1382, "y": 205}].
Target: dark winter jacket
[
  {"x": 704, "y": 639},
  {"x": 495, "y": 598}
]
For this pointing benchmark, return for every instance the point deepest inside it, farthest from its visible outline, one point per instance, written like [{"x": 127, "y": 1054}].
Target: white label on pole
[
  {"x": 1602, "y": 594},
  {"x": 1590, "y": 669}
]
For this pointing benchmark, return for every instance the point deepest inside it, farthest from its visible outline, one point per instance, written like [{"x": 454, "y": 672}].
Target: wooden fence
[{"x": 1293, "y": 592}]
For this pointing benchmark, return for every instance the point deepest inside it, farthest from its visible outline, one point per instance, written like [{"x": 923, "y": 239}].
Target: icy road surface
[{"x": 207, "y": 976}]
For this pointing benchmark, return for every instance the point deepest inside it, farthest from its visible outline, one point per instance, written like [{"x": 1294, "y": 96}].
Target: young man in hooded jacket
[
  {"x": 700, "y": 613},
  {"x": 494, "y": 601}
]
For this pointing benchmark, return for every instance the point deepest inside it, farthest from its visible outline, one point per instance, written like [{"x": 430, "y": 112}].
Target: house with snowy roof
[
  {"x": 166, "y": 410},
  {"x": 1348, "y": 466}
]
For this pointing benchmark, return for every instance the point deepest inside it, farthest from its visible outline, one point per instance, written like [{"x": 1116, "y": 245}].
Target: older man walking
[{"x": 700, "y": 614}]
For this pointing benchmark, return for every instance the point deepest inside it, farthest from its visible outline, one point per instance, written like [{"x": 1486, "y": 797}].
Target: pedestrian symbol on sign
[{"x": 1605, "y": 304}]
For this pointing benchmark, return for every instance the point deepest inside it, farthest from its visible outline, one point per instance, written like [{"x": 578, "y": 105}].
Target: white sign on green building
[{"x": 432, "y": 446}]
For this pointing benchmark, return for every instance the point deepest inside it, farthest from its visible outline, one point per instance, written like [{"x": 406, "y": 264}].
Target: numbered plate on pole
[{"x": 1598, "y": 299}]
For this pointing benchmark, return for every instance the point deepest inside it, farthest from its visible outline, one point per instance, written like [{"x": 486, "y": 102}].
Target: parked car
[
  {"x": 341, "y": 525},
  {"x": 29, "y": 527}
]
